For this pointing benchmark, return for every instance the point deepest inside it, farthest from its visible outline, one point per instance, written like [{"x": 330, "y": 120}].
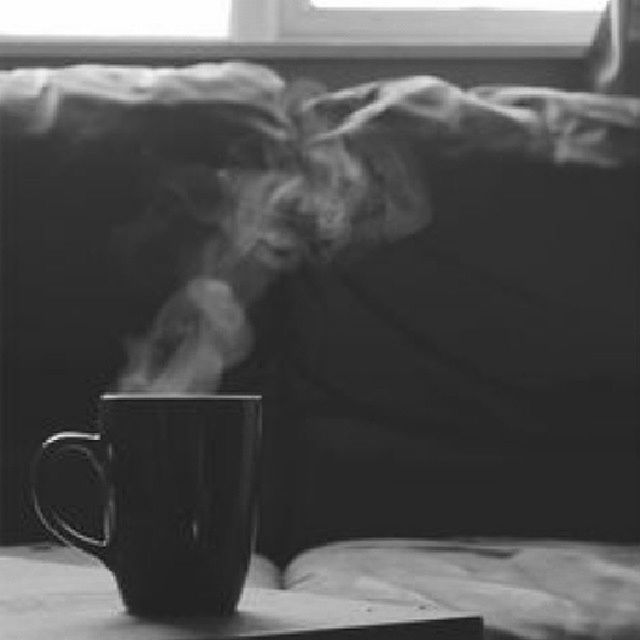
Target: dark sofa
[{"x": 451, "y": 411}]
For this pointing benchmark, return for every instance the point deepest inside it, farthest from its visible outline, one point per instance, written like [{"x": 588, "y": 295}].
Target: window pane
[
  {"x": 133, "y": 18},
  {"x": 545, "y": 5}
]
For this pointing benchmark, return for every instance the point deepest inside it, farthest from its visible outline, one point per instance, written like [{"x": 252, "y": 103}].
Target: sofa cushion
[
  {"x": 486, "y": 366},
  {"x": 529, "y": 590},
  {"x": 87, "y": 153}
]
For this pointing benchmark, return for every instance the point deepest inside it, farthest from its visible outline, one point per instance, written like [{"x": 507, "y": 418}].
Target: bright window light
[
  {"x": 524, "y": 23},
  {"x": 117, "y": 18},
  {"x": 531, "y": 5}
]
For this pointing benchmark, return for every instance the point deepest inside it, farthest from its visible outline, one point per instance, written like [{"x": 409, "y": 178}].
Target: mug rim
[{"x": 186, "y": 395}]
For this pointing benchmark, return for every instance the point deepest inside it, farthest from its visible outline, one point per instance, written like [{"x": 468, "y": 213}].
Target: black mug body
[{"x": 180, "y": 480}]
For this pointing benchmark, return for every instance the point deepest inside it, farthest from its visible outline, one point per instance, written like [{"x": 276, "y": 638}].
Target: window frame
[{"x": 294, "y": 28}]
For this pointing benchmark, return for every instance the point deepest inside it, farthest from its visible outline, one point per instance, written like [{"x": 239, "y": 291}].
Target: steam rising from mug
[{"x": 322, "y": 195}]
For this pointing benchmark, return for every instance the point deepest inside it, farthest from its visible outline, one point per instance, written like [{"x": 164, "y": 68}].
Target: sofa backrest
[
  {"x": 87, "y": 256},
  {"x": 479, "y": 376}
]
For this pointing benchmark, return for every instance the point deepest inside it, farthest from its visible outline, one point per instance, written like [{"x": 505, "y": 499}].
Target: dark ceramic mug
[{"x": 179, "y": 473}]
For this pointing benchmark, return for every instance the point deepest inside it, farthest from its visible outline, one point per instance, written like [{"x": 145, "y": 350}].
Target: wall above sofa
[{"x": 334, "y": 66}]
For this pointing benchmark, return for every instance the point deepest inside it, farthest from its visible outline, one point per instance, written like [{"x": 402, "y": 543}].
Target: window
[
  {"x": 422, "y": 22},
  {"x": 442, "y": 22},
  {"x": 516, "y": 5},
  {"x": 208, "y": 19}
]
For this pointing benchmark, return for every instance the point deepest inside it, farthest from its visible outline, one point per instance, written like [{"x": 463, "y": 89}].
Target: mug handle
[{"x": 92, "y": 448}]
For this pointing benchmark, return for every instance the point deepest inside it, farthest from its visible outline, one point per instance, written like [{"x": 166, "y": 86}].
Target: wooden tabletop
[{"x": 57, "y": 593}]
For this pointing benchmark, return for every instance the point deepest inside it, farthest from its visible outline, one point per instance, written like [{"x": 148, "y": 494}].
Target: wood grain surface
[{"x": 58, "y": 594}]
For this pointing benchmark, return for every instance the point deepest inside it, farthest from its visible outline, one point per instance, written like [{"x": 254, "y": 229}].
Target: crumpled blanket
[
  {"x": 91, "y": 102},
  {"x": 530, "y": 590},
  {"x": 540, "y": 123}
]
